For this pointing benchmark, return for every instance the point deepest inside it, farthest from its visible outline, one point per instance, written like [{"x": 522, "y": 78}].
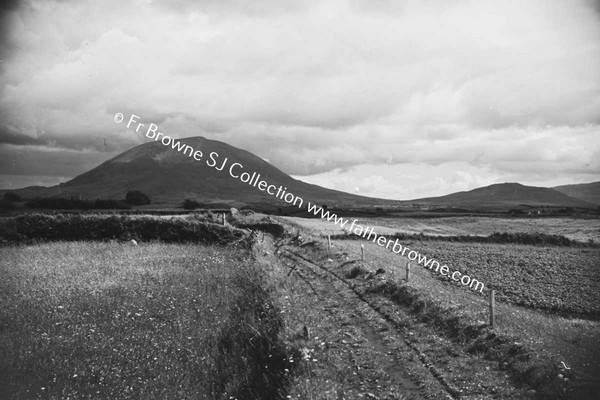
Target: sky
[{"x": 392, "y": 99}]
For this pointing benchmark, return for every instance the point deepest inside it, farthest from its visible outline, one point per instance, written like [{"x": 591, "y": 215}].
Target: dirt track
[{"x": 374, "y": 349}]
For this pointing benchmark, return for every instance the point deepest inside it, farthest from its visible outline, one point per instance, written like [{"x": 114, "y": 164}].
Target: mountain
[
  {"x": 589, "y": 192},
  {"x": 169, "y": 176},
  {"x": 505, "y": 195}
]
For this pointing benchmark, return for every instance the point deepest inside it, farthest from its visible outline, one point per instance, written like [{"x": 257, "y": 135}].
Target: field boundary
[{"x": 524, "y": 238}]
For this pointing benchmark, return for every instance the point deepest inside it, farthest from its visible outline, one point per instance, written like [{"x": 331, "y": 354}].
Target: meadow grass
[{"x": 155, "y": 321}]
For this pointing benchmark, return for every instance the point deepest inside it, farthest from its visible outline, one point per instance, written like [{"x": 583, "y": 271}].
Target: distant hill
[
  {"x": 589, "y": 192},
  {"x": 505, "y": 195},
  {"x": 168, "y": 176}
]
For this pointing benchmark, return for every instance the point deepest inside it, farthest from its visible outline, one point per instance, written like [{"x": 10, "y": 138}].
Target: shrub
[
  {"x": 137, "y": 198},
  {"x": 189, "y": 204}
]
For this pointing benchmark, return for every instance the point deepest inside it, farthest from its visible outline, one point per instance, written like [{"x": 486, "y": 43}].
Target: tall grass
[{"x": 155, "y": 321}]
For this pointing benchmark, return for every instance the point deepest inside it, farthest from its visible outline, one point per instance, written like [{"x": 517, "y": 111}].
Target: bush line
[{"x": 30, "y": 228}]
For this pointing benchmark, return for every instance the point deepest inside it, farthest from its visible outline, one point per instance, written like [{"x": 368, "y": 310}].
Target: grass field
[{"x": 154, "y": 321}]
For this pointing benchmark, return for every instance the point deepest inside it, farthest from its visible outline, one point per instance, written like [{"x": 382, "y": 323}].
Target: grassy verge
[{"x": 109, "y": 320}]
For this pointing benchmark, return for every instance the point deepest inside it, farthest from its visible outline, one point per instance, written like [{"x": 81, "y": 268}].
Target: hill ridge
[{"x": 169, "y": 177}]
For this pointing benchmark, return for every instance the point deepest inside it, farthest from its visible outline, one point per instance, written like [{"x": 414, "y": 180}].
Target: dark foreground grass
[{"x": 157, "y": 321}]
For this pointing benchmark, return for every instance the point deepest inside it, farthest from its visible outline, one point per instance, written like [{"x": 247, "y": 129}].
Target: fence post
[
  {"x": 362, "y": 252},
  {"x": 492, "y": 308},
  {"x": 329, "y": 243},
  {"x": 407, "y": 271},
  {"x": 224, "y": 220}
]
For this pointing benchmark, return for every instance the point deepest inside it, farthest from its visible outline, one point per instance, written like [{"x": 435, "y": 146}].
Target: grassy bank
[{"x": 109, "y": 320}]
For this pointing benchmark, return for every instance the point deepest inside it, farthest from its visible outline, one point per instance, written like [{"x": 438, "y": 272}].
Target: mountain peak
[{"x": 173, "y": 172}]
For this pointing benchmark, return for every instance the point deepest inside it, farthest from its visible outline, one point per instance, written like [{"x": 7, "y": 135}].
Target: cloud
[
  {"x": 46, "y": 161},
  {"x": 7, "y": 137},
  {"x": 415, "y": 180},
  {"x": 404, "y": 182},
  {"x": 315, "y": 87}
]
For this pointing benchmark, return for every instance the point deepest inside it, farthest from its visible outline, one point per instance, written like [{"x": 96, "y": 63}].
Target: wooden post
[
  {"x": 328, "y": 242},
  {"x": 362, "y": 252},
  {"x": 407, "y": 271},
  {"x": 492, "y": 308},
  {"x": 224, "y": 220}
]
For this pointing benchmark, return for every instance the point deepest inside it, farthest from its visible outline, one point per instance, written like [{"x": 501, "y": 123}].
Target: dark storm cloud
[
  {"x": 37, "y": 160},
  {"x": 7, "y": 137}
]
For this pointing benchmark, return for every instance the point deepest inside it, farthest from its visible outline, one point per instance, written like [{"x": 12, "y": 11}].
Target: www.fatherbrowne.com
[{"x": 237, "y": 171}]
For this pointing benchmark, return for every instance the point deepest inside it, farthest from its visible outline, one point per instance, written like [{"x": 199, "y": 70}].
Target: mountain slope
[
  {"x": 503, "y": 195},
  {"x": 589, "y": 192},
  {"x": 169, "y": 176}
]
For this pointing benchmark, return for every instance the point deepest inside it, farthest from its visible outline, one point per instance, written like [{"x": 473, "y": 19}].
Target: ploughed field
[
  {"x": 554, "y": 278},
  {"x": 565, "y": 279},
  {"x": 124, "y": 321},
  {"x": 547, "y": 277}
]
